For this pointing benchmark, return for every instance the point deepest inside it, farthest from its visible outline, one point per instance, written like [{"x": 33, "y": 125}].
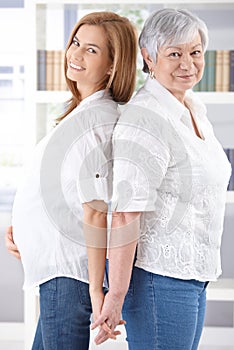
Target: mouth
[
  {"x": 76, "y": 67},
  {"x": 187, "y": 76}
]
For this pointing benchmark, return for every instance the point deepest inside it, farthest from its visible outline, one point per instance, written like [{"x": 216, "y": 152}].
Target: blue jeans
[
  {"x": 164, "y": 313},
  {"x": 65, "y": 311}
]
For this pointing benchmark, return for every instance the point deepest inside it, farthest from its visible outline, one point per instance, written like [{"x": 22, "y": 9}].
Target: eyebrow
[
  {"x": 178, "y": 48},
  {"x": 88, "y": 44}
]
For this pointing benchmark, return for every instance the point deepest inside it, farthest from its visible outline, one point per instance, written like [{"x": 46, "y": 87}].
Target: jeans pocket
[
  {"x": 50, "y": 285},
  {"x": 83, "y": 292}
]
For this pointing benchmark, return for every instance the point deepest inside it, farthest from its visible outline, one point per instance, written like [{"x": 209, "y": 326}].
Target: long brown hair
[{"x": 122, "y": 45}]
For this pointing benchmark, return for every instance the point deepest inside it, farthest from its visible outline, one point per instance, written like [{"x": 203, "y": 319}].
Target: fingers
[
  {"x": 122, "y": 322},
  {"x": 9, "y": 230},
  {"x": 9, "y": 242},
  {"x": 9, "y": 236},
  {"x": 99, "y": 322},
  {"x": 102, "y": 336},
  {"x": 106, "y": 332},
  {"x": 106, "y": 327},
  {"x": 16, "y": 254}
]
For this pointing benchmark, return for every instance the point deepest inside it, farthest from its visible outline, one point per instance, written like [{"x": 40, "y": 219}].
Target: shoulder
[
  {"x": 97, "y": 113},
  {"x": 143, "y": 112}
]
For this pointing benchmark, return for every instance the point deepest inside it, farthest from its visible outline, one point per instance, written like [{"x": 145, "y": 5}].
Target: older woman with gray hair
[{"x": 170, "y": 181}]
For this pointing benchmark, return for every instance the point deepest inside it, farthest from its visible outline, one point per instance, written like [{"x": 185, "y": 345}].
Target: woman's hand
[
  {"x": 109, "y": 318},
  {"x": 10, "y": 244},
  {"x": 105, "y": 331}
]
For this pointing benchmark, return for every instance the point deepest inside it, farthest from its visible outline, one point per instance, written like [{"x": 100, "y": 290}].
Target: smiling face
[
  {"x": 88, "y": 61},
  {"x": 178, "y": 67}
]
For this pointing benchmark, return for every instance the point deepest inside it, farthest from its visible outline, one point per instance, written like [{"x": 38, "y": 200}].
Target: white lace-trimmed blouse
[
  {"x": 70, "y": 166},
  {"x": 176, "y": 179}
]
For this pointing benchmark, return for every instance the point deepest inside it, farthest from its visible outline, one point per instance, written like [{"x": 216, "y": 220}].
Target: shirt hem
[
  {"x": 179, "y": 276},
  {"x": 36, "y": 284}
]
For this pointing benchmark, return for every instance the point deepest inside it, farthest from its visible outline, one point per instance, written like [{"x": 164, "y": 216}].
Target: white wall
[{"x": 11, "y": 275}]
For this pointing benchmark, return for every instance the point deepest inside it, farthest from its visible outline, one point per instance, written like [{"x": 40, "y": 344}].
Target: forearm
[
  {"x": 96, "y": 268},
  {"x": 120, "y": 269},
  {"x": 123, "y": 241},
  {"x": 95, "y": 231},
  {"x": 122, "y": 245}
]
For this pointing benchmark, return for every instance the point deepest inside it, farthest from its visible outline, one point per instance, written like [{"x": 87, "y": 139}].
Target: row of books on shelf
[
  {"x": 50, "y": 70},
  {"x": 230, "y": 155},
  {"x": 219, "y": 71}
]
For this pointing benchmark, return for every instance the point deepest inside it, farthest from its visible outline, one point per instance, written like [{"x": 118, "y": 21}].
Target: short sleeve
[
  {"x": 86, "y": 170},
  {"x": 141, "y": 159},
  {"x": 95, "y": 174}
]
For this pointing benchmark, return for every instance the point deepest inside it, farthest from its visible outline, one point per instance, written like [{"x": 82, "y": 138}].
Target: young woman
[{"x": 68, "y": 183}]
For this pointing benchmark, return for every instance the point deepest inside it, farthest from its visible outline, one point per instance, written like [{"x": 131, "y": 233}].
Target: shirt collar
[
  {"x": 101, "y": 94},
  {"x": 98, "y": 95},
  {"x": 170, "y": 104}
]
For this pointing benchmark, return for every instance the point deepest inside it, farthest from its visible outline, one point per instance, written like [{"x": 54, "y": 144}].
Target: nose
[
  {"x": 77, "y": 54},
  {"x": 186, "y": 62}
]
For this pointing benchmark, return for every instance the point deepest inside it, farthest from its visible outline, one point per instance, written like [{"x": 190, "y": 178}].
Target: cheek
[
  {"x": 69, "y": 52},
  {"x": 201, "y": 68},
  {"x": 67, "y": 56}
]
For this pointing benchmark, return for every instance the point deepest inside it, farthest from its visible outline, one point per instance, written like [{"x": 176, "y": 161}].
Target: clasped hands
[{"x": 107, "y": 315}]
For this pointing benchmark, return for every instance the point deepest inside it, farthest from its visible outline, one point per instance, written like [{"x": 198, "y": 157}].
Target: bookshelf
[
  {"x": 36, "y": 102},
  {"x": 170, "y": 2},
  {"x": 207, "y": 97},
  {"x": 230, "y": 197}
]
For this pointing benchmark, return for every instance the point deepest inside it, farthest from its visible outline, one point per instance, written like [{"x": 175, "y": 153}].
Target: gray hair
[{"x": 173, "y": 27}]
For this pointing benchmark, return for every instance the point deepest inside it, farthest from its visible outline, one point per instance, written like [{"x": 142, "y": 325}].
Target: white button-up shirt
[
  {"x": 176, "y": 179},
  {"x": 70, "y": 166}
]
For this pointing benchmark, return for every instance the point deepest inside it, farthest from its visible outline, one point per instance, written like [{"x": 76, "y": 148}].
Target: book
[
  {"x": 231, "y": 76},
  {"x": 41, "y": 69},
  {"x": 210, "y": 68},
  {"x": 49, "y": 69},
  {"x": 226, "y": 70},
  {"x": 56, "y": 85},
  {"x": 203, "y": 82},
  {"x": 197, "y": 87},
  {"x": 219, "y": 70},
  {"x": 63, "y": 84}
]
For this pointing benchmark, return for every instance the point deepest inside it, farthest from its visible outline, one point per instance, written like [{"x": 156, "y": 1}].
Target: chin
[{"x": 70, "y": 77}]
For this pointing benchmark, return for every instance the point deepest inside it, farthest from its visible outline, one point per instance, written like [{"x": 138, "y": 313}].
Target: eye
[
  {"x": 75, "y": 42},
  {"x": 197, "y": 53},
  {"x": 174, "y": 54},
  {"x": 91, "y": 50}
]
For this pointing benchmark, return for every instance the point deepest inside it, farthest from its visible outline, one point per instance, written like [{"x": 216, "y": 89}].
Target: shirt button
[{"x": 97, "y": 175}]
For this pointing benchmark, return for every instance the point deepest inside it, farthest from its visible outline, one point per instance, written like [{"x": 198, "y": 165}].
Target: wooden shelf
[
  {"x": 222, "y": 290},
  {"x": 207, "y": 97},
  {"x": 230, "y": 197},
  {"x": 202, "y": 2},
  {"x": 52, "y": 96},
  {"x": 217, "y": 97}
]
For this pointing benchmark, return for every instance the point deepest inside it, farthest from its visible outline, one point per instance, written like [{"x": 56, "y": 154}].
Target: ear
[
  {"x": 109, "y": 70},
  {"x": 147, "y": 58}
]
